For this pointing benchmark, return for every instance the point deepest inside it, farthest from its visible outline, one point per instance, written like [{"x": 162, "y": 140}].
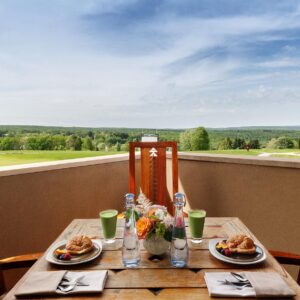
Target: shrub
[
  {"x": 225, "y": 144},
  {"x": 283, "y": 142}
]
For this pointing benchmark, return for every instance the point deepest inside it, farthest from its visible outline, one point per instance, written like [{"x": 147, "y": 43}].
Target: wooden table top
[{"x": 155, "y": 278}]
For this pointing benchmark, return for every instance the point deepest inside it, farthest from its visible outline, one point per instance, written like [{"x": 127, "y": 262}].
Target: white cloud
[{"x": 169, "y": 70}]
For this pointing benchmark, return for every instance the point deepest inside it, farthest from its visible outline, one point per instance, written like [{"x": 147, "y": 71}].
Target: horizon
[
  {"x": 133, "y": 64},
  {"x": 284, "y": 127}
]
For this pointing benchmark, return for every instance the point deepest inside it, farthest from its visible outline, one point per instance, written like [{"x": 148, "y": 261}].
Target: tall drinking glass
[
  {"x": 196, "y": 220},
  {"x": 109, "y": 224}
]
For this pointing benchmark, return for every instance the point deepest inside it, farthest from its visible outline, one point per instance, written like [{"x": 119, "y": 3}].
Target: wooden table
[{"x": 155, "y": 278}]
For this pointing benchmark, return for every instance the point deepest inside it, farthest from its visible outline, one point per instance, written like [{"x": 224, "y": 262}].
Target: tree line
[
  {"x": 99, "y": 142},
  {"x": 117, "y": 139},
  {"x": 198, "y": 139}
]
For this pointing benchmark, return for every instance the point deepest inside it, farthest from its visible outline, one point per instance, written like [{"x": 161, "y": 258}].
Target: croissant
[
  {"x": 79, "y": 245},
  {"x": 241, "y": 244}
]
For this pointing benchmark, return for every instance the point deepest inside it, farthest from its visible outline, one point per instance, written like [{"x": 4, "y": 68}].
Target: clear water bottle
[
  {"x": 130, "y": 249},
  {"x": 179, "y": 246}
]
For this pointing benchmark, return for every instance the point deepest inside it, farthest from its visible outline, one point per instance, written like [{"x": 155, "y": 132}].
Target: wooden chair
[
  {"x": 286, "y": 258},
  {"x": 16, "y": 262},
  {"x": 154, "y": 171}
]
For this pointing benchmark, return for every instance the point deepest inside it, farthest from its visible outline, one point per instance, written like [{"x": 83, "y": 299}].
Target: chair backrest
[
  {"x": 16, "y": 262},
  {"x": 154, "y": 171},
  {"x": 287, "y": 258}
]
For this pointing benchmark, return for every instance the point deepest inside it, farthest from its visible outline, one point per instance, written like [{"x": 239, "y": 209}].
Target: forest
[{"x": 16, "y": 137}]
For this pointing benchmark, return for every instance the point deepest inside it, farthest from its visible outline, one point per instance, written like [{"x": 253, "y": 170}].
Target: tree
[
  {"x": 39, "y": 142},
  {"x": 87, "y": 143},
  {"x": 90, "y": 134},
  {"x": 199, "y": 139},
  {"x": 59, "y": 142},
  {"x": 285, "y": 142},
  {"x": 194, "y": 139},
  {"x": 118, "y": 146},
  {"x": 185, "y": 140},
  {"x": 225, "y": 144},
  {"x": 10, "y": 143},
  {"x": 100, "y": 146},
  {"x": 74, "y": 142},
  {"x": 111, "y": 139},
  {"x": 272, "y": 144},
  {"x": 254, "y": 144},
  {"x": 238, "y": 143},
  {"x": 125, "y": 147}
]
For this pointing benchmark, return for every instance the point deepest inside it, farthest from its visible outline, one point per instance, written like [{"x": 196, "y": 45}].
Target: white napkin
[
  {"x": 217, "y": 289},
  {"x": 264, "y": 284},
  {"x": 40, "y": 283},
  {"x": 46, "y": 283},
  {"x": 95, "y": 280}
]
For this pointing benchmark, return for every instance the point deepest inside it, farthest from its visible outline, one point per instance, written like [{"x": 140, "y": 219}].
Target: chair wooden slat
[
  {"x": 154, "y": 171},
  {"x": 15, "y": 262},
  {"x": 287, "y": 258}
]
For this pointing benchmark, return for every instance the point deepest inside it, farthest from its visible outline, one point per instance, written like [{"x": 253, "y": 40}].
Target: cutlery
[
  {"x": 235, "y": 283},
  {"x": 78, "y": 283},
  {"x": 70, "y": 287},
  {"x": 242, "y": 287},
  {"x": 239, "y": 277},
  {"x": 67, "y": 286}
]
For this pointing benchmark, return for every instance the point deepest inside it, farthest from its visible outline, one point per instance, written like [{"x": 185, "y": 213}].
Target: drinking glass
[
  {"x": 196, "y": 221},
  {"x": 109, "y": 224}
]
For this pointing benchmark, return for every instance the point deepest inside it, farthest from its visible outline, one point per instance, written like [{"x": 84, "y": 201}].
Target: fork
[
  {"x": 69, "y": 286},
  {"x": 235, "y": 283},
  {"x": 239, "y": 277}
]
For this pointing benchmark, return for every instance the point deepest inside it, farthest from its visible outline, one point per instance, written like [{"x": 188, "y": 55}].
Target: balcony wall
[
  {"x": 37, "y": 201},
  {"x": 263, "y": 193}
]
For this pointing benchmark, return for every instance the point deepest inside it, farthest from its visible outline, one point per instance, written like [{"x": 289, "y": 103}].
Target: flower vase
[{"x": 156, "y": 245}]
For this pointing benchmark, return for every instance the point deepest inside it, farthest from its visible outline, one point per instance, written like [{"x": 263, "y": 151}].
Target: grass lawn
[
  {"x": 254, "y": 152},
  {"x": 8, "y": 158}
]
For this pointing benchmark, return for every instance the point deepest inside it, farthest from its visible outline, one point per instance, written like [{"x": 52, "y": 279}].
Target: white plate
[
  {"x": 75, "y": 260},
  {"x": 246, "y": 261}
]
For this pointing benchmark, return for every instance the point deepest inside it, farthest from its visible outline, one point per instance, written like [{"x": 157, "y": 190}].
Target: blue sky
[{"x": 155, "y": 64}]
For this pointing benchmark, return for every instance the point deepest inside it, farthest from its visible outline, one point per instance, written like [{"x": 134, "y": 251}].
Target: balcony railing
[{"x": 37, "y": 201}]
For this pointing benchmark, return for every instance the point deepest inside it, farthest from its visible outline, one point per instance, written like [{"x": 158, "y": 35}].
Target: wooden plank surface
[
  {"x": 214, "y": 228},
  {"x": 155, "y": 278}
]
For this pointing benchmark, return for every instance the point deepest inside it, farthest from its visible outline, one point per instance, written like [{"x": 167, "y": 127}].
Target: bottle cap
[
  {"x": 179, "y": 199},
  {"x": 129, "y": 199}
]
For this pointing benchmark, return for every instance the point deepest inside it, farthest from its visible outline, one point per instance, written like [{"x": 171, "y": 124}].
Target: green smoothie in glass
[
  {"x": 196, "y": 221},
  {"x": 109, "y": 224}
]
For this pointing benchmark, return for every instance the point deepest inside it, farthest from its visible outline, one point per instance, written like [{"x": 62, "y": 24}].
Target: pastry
[
  {"x": 79, "y": 245},
  {"x": 241, "y": 244}
]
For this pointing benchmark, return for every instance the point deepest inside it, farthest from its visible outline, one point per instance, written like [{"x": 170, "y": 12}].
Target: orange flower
[{"x": 143, "y": 225}]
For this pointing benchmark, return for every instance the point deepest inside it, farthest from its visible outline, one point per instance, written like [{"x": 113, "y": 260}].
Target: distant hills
[
  {"x": 42, "y": 127},
  {"x": 297, "y": 127}
]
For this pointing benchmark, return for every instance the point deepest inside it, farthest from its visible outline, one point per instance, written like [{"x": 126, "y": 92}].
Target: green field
[{"x": 8, "y": 158}]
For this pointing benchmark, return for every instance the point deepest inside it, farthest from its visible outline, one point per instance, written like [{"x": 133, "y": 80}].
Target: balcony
[{"x": 39, "y": 200}]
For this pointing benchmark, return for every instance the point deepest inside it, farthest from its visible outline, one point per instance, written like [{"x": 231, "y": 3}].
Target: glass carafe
[
  {"x": 130, "y": 249},
  {"x": 179, "y": 246}
]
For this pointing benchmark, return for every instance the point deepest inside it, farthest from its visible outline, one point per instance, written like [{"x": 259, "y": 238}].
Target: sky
[{"x": 150, "y": 63}]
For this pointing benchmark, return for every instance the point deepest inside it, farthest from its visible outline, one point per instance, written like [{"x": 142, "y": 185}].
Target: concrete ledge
[
  {"x": 61, "y": 164},
  {"x": 242, "y": 160},
  {"x": 81, "y": 162}
]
